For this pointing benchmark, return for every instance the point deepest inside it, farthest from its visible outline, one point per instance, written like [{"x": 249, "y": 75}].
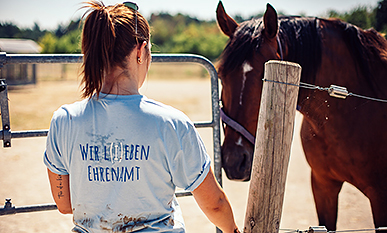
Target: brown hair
[{"x": 109, "y": 35}]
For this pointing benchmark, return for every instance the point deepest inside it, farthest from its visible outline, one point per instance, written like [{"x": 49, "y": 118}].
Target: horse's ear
[
  {"x": 270, "y": 20},
  {"x": 225, "y": 22}
]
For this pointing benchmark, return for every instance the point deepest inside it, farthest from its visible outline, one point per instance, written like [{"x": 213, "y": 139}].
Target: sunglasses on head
[
  {"x": 134, "y": 7},
  {"x": 131, "y": 5}
]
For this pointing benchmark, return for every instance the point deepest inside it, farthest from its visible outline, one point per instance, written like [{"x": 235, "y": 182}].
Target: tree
[
  {"x": 69, "y": 43},
  {"x": 161, "y": 31},
  {"x": 381, "y": 16},
  {"x": 184, "y": 34},
  {"x": 334, "y": 14},
  {"x": 8, "y": 30},
  {"x": 48, "y": 43},
  {"x": 359, "y": 17},
  {"x": 204, "y": 39},
  {"x": 60, "y": 31}
]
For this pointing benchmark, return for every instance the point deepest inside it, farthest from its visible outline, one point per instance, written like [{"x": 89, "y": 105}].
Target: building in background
[{"x": 19, "y": 74}]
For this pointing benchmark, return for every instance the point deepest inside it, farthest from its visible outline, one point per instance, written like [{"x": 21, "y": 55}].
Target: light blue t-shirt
[{"x": 125, "y": 156}]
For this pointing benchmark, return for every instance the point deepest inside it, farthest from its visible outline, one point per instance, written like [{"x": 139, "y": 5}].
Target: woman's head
[{"x": 110, "y": 34}]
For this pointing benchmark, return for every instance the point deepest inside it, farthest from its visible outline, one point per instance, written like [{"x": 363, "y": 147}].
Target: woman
[{"x": 115, "y": 158}]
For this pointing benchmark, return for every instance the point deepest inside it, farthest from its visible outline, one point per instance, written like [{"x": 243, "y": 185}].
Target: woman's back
[
  {"x": 115, "y": 159},
  {"x": 126, "y": 145}
]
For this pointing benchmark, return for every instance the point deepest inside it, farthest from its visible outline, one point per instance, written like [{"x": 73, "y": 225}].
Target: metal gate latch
[{"x": 3, "y": 85}]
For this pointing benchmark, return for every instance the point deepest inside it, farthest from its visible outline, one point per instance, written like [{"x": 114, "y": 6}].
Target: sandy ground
[{"x": 23, "y": 174}]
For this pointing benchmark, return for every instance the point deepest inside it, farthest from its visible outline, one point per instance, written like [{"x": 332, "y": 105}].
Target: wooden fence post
[{"x": 272, "y": 147}]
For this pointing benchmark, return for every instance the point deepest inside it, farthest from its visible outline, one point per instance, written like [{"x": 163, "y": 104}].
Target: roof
[{"x": 19, "y": 46}]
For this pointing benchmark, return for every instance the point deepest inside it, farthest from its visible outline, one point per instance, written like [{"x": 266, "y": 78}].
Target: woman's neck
[
  {"x": 128, "y": 80},
  {"x": 121, "y": 82}
]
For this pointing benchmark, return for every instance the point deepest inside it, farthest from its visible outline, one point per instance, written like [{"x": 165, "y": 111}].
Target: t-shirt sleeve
[
  {"x": 53, "y": 156},
  {"x": 191, "y": 163}
]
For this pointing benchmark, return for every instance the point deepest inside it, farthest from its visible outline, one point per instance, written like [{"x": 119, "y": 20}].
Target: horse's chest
[{"x": 343, "y": 149}]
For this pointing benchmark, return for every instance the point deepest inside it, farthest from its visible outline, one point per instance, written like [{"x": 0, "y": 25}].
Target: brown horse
[{"x": 344, "y": 140}]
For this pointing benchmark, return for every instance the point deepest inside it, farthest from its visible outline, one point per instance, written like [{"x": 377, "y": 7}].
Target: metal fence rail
[{"x": 7, "y": 135}]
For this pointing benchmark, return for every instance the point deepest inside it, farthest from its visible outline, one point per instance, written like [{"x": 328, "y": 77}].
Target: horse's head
[{"x": 251, "y": 44}]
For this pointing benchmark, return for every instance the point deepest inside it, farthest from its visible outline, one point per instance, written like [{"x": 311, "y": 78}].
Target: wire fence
[
  {"x": 323, "y": 229},
  {"x": 338, "y": 92},
  {"x": 333, "y": 90}
]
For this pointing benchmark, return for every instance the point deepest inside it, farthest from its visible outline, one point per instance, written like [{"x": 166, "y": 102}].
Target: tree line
[{"x": 179, "y": 33}]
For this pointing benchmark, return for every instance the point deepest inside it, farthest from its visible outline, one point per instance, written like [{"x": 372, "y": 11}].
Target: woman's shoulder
[
  {"x": 165, "y": 113},
  {"x": 70, "y": 110},
  {"x": 161, "y": 109}
]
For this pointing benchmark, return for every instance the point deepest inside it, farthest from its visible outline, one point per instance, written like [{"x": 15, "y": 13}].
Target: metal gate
[{"x": 7, "y": 135}]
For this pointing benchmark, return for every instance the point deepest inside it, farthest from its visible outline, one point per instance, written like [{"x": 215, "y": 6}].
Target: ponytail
[{"x": 108, "y": 37}]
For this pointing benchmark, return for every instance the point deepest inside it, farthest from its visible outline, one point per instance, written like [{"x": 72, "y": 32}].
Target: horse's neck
[
  {"x": 341, "y": 67},
  {"x": 351, "y": 58}
]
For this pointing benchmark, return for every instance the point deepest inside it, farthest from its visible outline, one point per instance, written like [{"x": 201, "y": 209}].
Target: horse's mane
[
  {"x": 304, "y": 44},
  {"x": 299, "y": 32},
  {"x": 303, "y": 37},
  {"x": 369, "y": 49},
  {"x": 242, "y": 45}
]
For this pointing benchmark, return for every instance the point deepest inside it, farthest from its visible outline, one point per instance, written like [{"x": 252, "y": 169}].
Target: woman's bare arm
[
  {"x": 60, "y": 189},
  {"x": 214, "y": 203}
]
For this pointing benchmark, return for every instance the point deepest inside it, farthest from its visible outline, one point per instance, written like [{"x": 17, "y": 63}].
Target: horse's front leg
[
  {"x": 378, "y": 199},
  {"x": 324, "y": 185},
  {"x": 326, "y": 193}
]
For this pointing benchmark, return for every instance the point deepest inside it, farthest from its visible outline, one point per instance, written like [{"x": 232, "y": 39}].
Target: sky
[{"x": 50, "y": 13}]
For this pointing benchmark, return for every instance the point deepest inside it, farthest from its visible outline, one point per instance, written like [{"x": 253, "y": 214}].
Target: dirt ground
[{"x": 23, "y": 174}]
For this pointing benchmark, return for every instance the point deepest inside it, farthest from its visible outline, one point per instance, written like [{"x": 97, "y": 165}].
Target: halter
[
  {"x": 235, "y": 125},
  {"x": 280, "y": 48}
]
